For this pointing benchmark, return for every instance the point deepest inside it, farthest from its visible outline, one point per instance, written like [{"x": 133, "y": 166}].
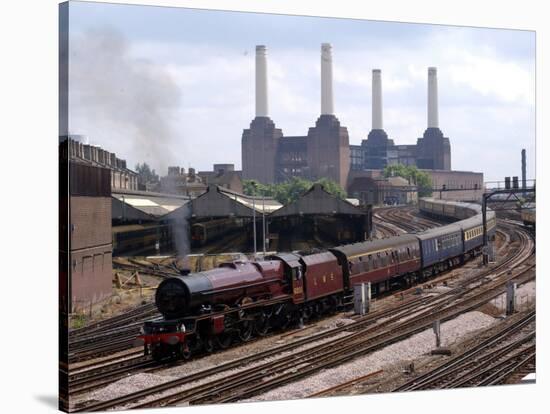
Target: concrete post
[
  {"x": 510, "y": 297},
  {"x": 362, "y": 297},
  {"x": 261, "y": 81},
  {"x": 376, "y": 99},
  {"x": 254, "y": 223},
  {"x": 327, "y": 102},
  {"x": 433, "y": 114},
  {"x": 437, "y": 332}
]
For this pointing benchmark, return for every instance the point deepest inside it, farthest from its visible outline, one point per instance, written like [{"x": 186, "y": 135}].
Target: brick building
[
  {"x": 371, "y": 187},
  {"x": 225, "y": 176},
  {"x": 122, "y": 178},
  {"x": 85, "y": 232},
  {"x": 268, "y": 156},
  {"x": 459, "y": 185},
  {"x": 431, "y": 151}
]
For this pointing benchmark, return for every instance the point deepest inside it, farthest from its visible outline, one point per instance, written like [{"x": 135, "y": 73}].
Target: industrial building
[
  {"x": 457, "y": 185},
  {"x": 193, "y": 184},
  {"x": 268, "y": 156},
  {"x": 122, "y": 178},
  {"x": 138, "y": 224},
  {"x": 431, "y": 151},
  {"x": 85, "y": 232},
  {"x": 316, "y": 215},
  {"x": 371, "y": 187}
]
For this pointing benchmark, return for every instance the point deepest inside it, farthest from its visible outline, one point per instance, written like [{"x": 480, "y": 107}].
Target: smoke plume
[
  {"x": 121, "y": 102},
  {"x": 126, "y": 105}
]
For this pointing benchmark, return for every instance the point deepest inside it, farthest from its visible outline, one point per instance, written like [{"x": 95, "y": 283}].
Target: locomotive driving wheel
[
  {"x": 261, "y": 323},
  {"x": 224, "y": 340},
  {"x": 208, "y": 345},
  {"x": 186, "y": 354},
  {"x": 245, "y": 330}
]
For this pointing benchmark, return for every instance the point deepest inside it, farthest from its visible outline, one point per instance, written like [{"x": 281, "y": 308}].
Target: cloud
[{"x": 206, "y": 94}]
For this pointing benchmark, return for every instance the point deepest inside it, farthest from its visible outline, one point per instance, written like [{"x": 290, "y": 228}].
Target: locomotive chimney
[
  {"x": 376, "y": 99},
  {"x": 433, "y": 116},
  {"x": 327, "y": 103},
  {"x": 261, "y": 81}
]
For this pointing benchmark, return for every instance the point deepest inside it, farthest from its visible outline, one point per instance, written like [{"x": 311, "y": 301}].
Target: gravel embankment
[{"x": 401, "y": 352}]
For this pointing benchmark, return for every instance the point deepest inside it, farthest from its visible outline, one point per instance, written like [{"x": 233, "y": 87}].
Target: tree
[
  {"x": 145, "y": 174},
  {"x": 290, "y": 190},
  {"x": 414, "y": 175}
]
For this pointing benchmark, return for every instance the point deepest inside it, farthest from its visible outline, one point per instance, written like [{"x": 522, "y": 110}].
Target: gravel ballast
[{"x": 400, "y": 352}]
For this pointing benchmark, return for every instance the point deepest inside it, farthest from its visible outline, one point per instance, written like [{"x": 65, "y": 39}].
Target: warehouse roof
[
  {"x": 221, "y": 202},
  {"x": 318, "y": 201},
  {"x": 144, "y": 205}
]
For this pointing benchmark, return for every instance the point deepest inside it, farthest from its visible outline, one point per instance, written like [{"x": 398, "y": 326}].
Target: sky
[{"x": 175, "y": 86}]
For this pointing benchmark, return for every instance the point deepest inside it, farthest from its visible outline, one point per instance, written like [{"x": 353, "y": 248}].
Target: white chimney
[
  {"x": 376, "y": 99},
  {"x": 261, "y": 81},
  {"x": 327, "y": 103},
  {"x": 433, "y": 116}
]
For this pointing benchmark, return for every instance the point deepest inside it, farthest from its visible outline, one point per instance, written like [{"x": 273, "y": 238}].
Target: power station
[{"x": 269, "y": 157}]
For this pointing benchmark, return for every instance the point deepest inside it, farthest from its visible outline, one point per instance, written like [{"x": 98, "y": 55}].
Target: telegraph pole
[{"x": 263, "y": 221}]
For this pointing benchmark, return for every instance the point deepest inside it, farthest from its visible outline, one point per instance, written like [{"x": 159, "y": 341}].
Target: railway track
[
  {"x": 87, "y": 380},
  {"x": 490, "y": 362},
  {"x": 365, "y": 335},
  {"x": 113, "y": 373},
  {"x": 403, "y": 218}
]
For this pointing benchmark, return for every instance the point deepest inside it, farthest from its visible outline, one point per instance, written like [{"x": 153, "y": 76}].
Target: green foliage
[
  {"x": 414, "y": 175},
  {"x": 290, "y": 190},
  {"x": 78, "y": 321},
  {"x": 146, "y": 174}
]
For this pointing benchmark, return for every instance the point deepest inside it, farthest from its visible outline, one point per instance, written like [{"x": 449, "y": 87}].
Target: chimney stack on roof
[
  {"x": 327, "y": 102},
  {"x": 261, "y": 81}
]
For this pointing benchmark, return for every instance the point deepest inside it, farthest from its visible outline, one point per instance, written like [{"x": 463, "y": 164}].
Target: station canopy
[
  {"x": 318, "y": 201},
  {"x": 221, "y": 202},
  {"x": 144, "y": 205}
]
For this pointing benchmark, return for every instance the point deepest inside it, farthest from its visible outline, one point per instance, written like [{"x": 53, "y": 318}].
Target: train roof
[
  {"x": 439, "y": 231},
  {"x": 472, "y": 206},
  {"x": 470, "y": 222},
  {"x": 373, "y": 246}
]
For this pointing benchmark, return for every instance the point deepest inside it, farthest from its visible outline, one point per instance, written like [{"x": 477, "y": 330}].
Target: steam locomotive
[{"x": 236, "y": 301}]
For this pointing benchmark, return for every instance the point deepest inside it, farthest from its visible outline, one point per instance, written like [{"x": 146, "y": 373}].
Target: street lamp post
[
  {"x": 254, "y": 222},
  {"x": 263, "y": 221}
]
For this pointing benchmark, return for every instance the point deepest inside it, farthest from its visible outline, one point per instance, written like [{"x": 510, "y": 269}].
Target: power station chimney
[
  {"x": 433, "y": 115},
  {"x": 261, "y": 81},
  {"x": 523, "y": 170},
  {"x": 376, "y": 99},
  {"x": 327, "y": 103}
]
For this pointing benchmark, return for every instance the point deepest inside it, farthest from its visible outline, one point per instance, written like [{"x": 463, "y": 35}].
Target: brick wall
[
  {"x": 90, "y": 222},
  {"x": 91, "y": 276}
]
